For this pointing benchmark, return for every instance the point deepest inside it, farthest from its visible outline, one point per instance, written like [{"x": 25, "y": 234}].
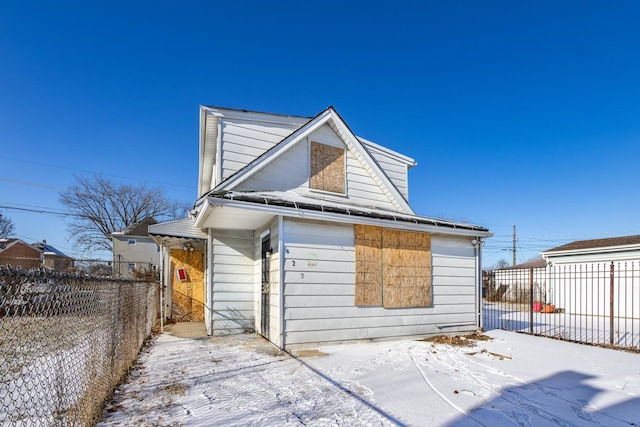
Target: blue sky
[{"x": 517, "y": 113}]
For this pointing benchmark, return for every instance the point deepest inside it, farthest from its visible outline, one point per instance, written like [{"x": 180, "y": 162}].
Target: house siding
[
  {"x": 243, "y": 141},
  {"x": 21, "y": 255},
  {"x": 396, "y": 170},
  {"x": 319, "y": 289},
  {"x": 455, "y": 283},
  {"x": 362, "y": 189},
  {"x": 232, "y": 271},
  {"x": 290, "y": 172},
  {"x": 145, "y": 254}
]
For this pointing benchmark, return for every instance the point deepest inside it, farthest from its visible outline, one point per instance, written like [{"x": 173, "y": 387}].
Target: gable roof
[
  {"x": 40, "y": 247},
  {"x": 140, "y": 228},
  {"x": 7, "y": 243},
  {"x": 536, "y": 263},
  {"x": 4, "y": 243},
  {"x": 353, "y": 143},
  {"x": 47, "y": 249},
  {"x": 210, "y": 134},
  {"x": 583, "y": 245}
]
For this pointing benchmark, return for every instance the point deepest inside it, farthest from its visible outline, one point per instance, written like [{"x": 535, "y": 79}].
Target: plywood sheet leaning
[
  {"x": 407, "y": 272},
  {"x": 368, "y": 255},
  {"x": 327, "y": 168},
  {"x": 187, "y": 295}
]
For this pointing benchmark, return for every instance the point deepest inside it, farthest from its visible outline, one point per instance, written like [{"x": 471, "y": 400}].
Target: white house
[
  {"x": 310, "y": 237},
  {"x": 514, "y": 283},
  {"x": 585, "y": 273},
  {"x": 134, "y": 250}
]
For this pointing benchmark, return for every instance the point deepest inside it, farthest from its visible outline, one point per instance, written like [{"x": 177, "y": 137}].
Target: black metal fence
[
  {"x": 595, "y": 303},
  {"x": 66, "y": 341}
]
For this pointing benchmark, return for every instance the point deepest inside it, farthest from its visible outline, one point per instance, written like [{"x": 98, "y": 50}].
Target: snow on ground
[{"x": 512, "y": 379}]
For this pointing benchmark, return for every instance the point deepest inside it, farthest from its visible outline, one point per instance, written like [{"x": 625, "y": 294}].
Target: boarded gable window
[
  {"x": 327, "y": 168},
  {"x": 393, "y": 268}
]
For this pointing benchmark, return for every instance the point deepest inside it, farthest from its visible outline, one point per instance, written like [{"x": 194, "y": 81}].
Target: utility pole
[{"x": 514, "y": 245}]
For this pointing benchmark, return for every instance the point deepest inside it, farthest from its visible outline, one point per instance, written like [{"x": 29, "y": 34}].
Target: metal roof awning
[
  {"x": 248, "y": 210},
  {"x": 179, "y": 229}
]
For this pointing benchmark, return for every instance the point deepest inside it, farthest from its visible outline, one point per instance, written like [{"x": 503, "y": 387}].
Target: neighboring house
[
  {"x": 53, "y": 258},
  {"x": 514, "y": 283},
  {"x": 134, "y": 251},
  {"x": 585, "y": 273},
  {"x": 310, "y": 237},
  {"x": 19, "y": 254}
]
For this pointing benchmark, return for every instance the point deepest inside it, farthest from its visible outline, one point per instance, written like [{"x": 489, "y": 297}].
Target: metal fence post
[
  {"x": 611, "y": 305},
  {"x": 531, "y": 300}
]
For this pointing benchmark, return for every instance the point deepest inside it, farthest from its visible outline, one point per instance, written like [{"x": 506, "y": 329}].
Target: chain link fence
[{"x": 66, "y": 342}]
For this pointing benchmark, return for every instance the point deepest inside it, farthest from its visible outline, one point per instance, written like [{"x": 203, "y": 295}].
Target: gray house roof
[
  {"x": 140, "y": 228},
  {"x": 48, "y": 249},
  {"x": 179, "y": 228},
  {"x": 597, "y": 243},
  {"x": 536, "y": 263}
]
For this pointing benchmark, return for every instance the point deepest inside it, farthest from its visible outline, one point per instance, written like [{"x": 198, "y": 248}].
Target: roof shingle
[{"x": 598, "y": 243}]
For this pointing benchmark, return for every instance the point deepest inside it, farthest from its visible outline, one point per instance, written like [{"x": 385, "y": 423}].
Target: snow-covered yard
[
  {"x": 568, "y": 326},
  {"x": 510, "y": 379}
]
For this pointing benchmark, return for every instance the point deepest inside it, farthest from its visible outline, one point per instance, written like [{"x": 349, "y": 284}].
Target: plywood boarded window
[
  {"x": 368, "y": 265},
  {"x": 327, "y": 168},
  {"x": 393, "y": 268}
]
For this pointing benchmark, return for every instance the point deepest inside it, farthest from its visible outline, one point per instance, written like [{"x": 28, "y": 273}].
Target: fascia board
[
  {"x": 357, "y": 145},
  {"x": 259, "y": 116},
  {"x": 206, "y": 164},
  {"x": 203, "y": 119},
  {"x": 333, "y": 217},
  {"x": 398, "y": 156},
  {"x": 203, "y": 213},
  {"x": 169, "y": 228},
  {"x": 591, "y": 251},
  {"x": 280, "y": 148}
]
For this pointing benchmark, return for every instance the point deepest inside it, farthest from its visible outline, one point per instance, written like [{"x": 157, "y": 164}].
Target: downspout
[
  {"x": 478, "y": 256},
  {"x": 281, "y": 259}
]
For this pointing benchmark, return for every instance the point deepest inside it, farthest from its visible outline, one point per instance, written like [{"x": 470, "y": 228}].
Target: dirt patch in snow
[
  {"x": 468, "y": 340},
  {"x": 309, "y": 353}
]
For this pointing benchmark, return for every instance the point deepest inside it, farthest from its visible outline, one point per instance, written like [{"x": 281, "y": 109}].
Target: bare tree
[
  {"x": 99, "y": 207},
  {"x": 502, "y": 263},
  {"x": 6, "y": 226}
]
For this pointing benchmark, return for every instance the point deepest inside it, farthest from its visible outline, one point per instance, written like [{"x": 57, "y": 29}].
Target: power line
[
  {"x": 41, "y": 211},
  {"x": 32, "y": 184},
  {"x": 89, "y": 172}
]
